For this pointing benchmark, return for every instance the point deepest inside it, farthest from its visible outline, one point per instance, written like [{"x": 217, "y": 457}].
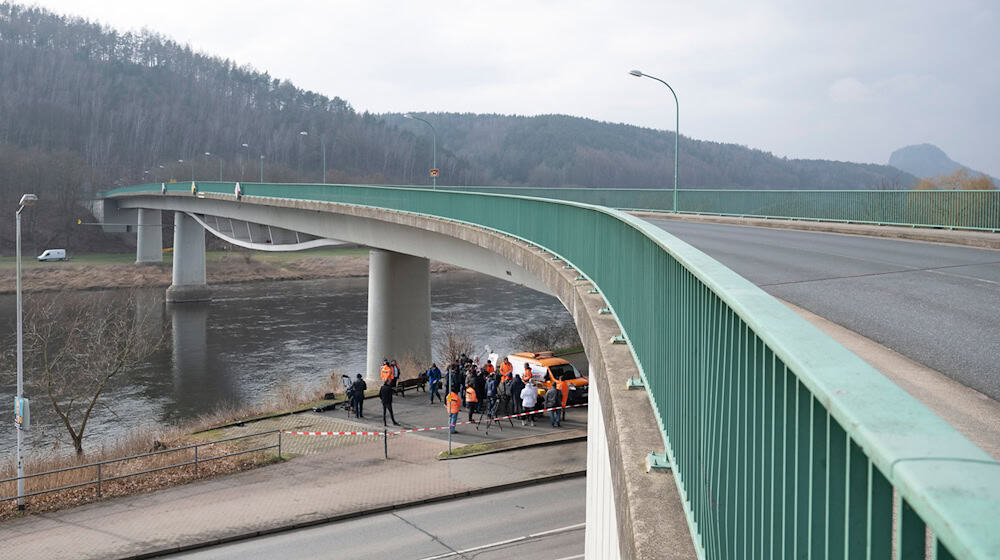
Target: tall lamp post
[
  {"x": 322, "y": 147},
  {"x": 243, "y": 168},
  {"x": 26, "y": 200},
  {"x": 191, "y": 161},
  {"x": 435, "y": 152},
  {"x": 677, "y": 133},
  {"x": 261, "y": 168}
]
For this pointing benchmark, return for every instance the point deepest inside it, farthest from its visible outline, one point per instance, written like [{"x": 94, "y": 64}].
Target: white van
[{"x": 52, "y": 255}]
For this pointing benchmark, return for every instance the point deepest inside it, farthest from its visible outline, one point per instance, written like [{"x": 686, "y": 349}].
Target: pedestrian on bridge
[{"x": 385, "y": 393}]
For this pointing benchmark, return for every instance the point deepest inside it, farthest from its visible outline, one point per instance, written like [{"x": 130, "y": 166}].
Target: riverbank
[{"x": 113, "y": 271}]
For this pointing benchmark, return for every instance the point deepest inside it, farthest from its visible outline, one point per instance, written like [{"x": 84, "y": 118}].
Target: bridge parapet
[{"x": 781, "y": 440}]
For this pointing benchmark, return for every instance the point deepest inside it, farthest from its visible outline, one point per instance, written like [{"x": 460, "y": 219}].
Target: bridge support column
[
  {"x": 149, "y": 241},
  {"x": 399, "y": 309},
  {"x": 601, "y": 537},
  {"x": 189, "y": 282}
]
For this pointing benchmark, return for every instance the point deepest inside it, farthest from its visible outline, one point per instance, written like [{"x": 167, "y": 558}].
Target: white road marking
[{"x": 509, "y": 541}]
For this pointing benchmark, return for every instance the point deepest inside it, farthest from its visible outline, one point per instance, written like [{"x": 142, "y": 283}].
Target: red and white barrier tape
[{"x": 494, "y": 419}]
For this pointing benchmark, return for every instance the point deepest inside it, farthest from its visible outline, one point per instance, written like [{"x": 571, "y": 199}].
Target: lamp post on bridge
[
  {"x": 261, "y": 168},
  {"x": 26, "y": 200},
  {"x": 322, "y": 147},
  {"x": 677, "y": 132},
  {"x": 209, "y": 155},
  {"x": 434, "y": 164},
  {"x": 243, "y": 168},
  {"x": 191, "y": 161}
]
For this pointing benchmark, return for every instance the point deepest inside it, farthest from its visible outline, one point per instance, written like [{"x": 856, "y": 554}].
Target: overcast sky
[{"x": 844, "y": 80}]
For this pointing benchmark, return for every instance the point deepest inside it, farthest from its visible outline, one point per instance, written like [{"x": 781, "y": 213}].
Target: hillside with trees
[{"x": 84, "y": 107}]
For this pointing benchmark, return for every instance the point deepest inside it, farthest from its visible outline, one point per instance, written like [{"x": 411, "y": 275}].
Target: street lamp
[
  {"x": 243, "y": 168},
  {"x": 303, "y": 134},
  {"x": 434, "y": 136},
  {"x": 677, "y": 133},
  {"x": 261, "y": 168},
  {"x": 208, "y": 155},
  {"x": 26, "y": 200},
  {"x": 192, "y": 167},
  {"x": 322, "y": 146}
]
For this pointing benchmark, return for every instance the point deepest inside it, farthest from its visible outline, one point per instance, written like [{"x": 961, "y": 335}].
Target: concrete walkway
[{"x": 342, "y": 482}]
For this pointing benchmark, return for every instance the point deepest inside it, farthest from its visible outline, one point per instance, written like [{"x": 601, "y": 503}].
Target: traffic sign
[{"x": 435, "y": 172}]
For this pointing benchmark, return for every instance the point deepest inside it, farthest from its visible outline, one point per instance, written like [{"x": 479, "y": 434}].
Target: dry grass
[
  {"x": 129, "y": 446},
  {"x": 287, "y": 399},
  {"x": 228, "y": 268}
]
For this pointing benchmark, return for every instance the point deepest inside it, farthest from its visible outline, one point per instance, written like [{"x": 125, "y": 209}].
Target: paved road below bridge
[{"x": 936, "y": 304}]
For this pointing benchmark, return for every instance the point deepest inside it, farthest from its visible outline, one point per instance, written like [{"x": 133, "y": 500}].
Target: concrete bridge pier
[
  {"x": 189, "y": 282},
  {"x": 399, "y": 309},
  {"x": 149, "y": 242}
]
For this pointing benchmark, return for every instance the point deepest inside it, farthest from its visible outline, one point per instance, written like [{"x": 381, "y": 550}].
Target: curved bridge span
[{"x": 778, "y": 440}]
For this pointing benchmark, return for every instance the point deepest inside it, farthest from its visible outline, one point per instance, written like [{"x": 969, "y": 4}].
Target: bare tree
[
  {"x": 548, "y": 337},
  {"x": 453, "y": 344},
  {"x": 79, "y": 343}
]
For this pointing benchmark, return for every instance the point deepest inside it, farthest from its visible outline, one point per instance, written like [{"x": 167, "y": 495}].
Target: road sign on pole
[{"x": 435, "y": 172}]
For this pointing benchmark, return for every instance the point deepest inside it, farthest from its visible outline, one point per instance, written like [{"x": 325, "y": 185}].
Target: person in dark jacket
[
  {"x": 470, "y": 380},
  {"x": 358, "y": 389},
  {"x": 385, "y": 393},
  {"x": 515, "y": 394},
  {"x": 479, "y": 383},
  {"x": 553, "y": 399}
]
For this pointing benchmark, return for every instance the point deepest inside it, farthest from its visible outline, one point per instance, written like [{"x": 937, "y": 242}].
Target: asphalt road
[
  {"x": 543, "y": 521},
  {"x": 939, "y": 305}
]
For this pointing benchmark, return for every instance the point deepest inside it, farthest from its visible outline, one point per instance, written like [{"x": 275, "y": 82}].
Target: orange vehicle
[{"x": 546, "y": 369}]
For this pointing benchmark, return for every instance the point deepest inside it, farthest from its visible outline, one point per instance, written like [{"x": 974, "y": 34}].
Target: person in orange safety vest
[
  {"x": 505, "y": 370},
  {"x": 471, "y": 400},
  {"x": 452, "y": 402},
  {"x": 526, "y": 376},
  {"x": 385, "y": 372}
]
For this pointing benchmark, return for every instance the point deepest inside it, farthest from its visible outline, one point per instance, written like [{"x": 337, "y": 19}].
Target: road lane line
[{"x": 509, "y": 541}]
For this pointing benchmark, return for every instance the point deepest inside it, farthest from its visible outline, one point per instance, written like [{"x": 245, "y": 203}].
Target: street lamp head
[
  {"x": 635, "y": 73},
  {"x": 303, "y": 133},
  {"x": 208, "y": 153},
  {"x": 28, "y": 199},
  {"x": 245, "y": 145},
  {"x": 180, "y": 161},
  {"x": 407, "y": 116}
]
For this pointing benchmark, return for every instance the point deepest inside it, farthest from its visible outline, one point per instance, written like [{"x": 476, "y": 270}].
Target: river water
[{"x": 255, "y": 338}]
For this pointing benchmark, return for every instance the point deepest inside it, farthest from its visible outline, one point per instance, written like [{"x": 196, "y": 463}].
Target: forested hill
[{"x": 84, "y": 107}]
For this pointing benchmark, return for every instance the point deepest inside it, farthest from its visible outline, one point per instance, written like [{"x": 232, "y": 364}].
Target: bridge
[{"x": 777, "y": 441}]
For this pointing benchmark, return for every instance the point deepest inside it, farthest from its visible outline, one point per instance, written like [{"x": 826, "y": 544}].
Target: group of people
[
  {"x": 389, "y": 375},
  {"x": 494, "y": 391}
]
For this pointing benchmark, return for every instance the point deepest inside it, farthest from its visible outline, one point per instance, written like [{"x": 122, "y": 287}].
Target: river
[{"x": 256, "y": 339}]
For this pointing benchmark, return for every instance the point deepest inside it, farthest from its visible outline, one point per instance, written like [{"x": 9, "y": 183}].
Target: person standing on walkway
[
  {"x": 385, "y": 372},
  {"x": 434, "y": 382},
  {"x": 552, "y": 400},
  {"x": 385, "y": 393},
  {"x": 506, "y": 370},
  {"x": 358, "y": 389},
  {"x": 395, "y": 373},
  {"x": 470, "y": 380},
  {"x": 526, "y": 374},
  {"x": 529, "y": 397},
  {"x": 563, "y": 386},
  {"x": 516, "y": 386},
  {"x": 491, "y": 396},
  {"x": 471, "y": 400},
  {"x": 452, "y": 404}
]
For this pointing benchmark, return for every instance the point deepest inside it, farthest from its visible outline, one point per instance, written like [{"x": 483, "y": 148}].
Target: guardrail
[
  {"x": 100, "y": 466},
  {"x": 783, "y": 443},
  {"x": 972, "y": 210}
]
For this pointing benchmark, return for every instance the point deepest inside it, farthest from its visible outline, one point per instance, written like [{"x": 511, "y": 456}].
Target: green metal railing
[
  {"x": 975, "y": 210},
  {"x": 783, "y": 443}
]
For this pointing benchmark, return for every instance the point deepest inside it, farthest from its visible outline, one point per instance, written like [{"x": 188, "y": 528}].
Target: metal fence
[
  {"x": 100, "y": 468},
  {"x": 783, "y": 443},
  {"x": 974, "y": 210}
]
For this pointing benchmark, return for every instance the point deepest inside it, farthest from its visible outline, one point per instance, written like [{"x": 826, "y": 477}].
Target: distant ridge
[{"x": 927, "y": 160}]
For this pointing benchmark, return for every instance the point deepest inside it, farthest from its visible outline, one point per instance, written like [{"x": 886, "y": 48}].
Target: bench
[{"x": 419, "y": 382}]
